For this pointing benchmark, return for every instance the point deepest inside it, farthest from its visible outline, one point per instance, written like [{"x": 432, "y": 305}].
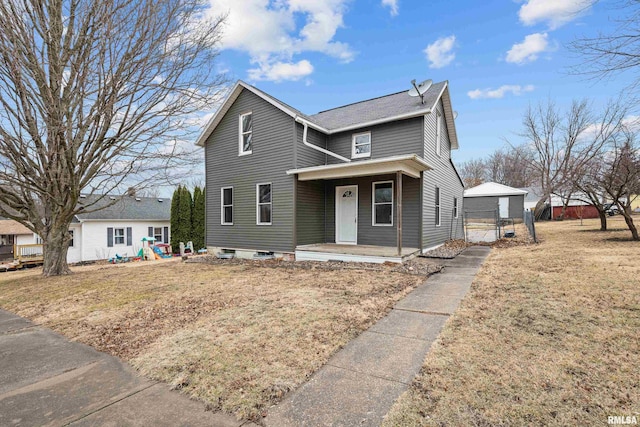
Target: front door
[{"x": 347, "y": 215}]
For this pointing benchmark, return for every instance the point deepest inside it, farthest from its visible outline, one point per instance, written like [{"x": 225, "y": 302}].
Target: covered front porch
[
  {"x": 363, "y": 211},
  {"x": 354, "y": 253}
]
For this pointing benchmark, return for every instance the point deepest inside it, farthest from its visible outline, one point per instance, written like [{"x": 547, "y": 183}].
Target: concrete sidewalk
[
  {"x": 361, "y": 382},
  {"x": 46, "y": 380}
]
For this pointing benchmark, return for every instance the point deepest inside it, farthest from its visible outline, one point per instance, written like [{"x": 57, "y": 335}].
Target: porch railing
[{"x": 28, "y": 253}]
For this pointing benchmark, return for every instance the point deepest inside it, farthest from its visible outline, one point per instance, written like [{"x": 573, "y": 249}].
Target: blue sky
[{"x": 499, "y": 56}]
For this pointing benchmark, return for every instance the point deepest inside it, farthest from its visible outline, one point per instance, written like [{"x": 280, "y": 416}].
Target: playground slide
[{"x": 159, "y": 252}]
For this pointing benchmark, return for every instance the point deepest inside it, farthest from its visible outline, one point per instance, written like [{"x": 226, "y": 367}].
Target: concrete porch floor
[{"x": 365, "y": 253}]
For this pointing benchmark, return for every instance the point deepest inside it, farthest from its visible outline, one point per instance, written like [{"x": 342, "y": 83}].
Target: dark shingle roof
[
  {"x": 393, "y": 105},
  {"x": 127, "y": 207}
]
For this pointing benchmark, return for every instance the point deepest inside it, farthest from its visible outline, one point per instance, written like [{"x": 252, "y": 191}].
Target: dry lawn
[
  {"x": 237, "y": 336},
  {"x": 548, "y": 335}
]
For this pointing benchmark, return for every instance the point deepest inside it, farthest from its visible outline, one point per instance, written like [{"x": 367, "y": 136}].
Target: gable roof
[
  {"x": 9, "y": 226},
  {"x": 384, "y": 109},
  {"x": 127, "y": 208},
  {"x": 493, "y": 189}
]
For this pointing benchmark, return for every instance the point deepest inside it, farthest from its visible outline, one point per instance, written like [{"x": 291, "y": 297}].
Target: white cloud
[
  {"x": 529, "y": 49},
  {"x": 439, "y": 53},
  {"x": 392, "y": 5},
  {"x": 500, "y": 92},
  {"x": 269, "y": 31},
  {"x": 279, "y": 71},
  {"x": 554, "y": 12}
]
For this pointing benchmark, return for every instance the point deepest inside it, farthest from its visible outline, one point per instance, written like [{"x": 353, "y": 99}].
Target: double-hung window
[
  {"x": 438, "y": 133},
  {"x": 361, "y": 145},
  {"x": 246, "y": 134},
  {"x": 157, "y": 234},
  {"x": 226, "y": 198},
  {"x": 455, "y": 207},
  {"x": 118, "y": 236},
  {"x": 263, "y": 204},
  {"x": 437, "y": 206},
  {"x": 383, "y": 203}
]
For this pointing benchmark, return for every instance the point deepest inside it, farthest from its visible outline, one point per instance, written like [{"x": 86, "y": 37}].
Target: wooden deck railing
[{"x": 28, "y": 253}]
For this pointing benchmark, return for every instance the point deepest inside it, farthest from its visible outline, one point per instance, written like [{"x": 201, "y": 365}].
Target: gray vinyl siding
[
  {"x": 389, "y": 139},
  {"x": 369, "y": 234},
  {"x": 307, "y": 156},
  {"x": 443, "y": 176},
  {"x": 485, "y": 207},
  {"x": 311, "y": 212},
  {"x": 272, "y": 155}
]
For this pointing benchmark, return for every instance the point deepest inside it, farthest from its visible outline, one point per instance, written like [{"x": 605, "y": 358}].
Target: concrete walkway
[
  {"x": 46, "y": 380},
  {"x": 361, "y": 382}
]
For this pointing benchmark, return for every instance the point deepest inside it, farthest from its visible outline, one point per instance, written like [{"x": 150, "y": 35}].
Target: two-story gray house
[{"x": 369, "y": 181}]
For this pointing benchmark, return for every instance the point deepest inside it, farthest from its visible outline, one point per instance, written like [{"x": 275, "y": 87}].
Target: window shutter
[
  {"x": 150, "y": 232},
  {"x": 129, "y": 236},
  {"x": 110, "y": 237},
  {"x": 165, "y": 235}
]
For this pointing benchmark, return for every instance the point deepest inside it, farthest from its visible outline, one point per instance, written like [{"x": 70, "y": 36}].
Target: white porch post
[{"x": 399, "y": 213}]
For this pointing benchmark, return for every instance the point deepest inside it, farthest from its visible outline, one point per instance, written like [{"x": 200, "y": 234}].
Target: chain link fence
[{"x": 482, "y": 225}]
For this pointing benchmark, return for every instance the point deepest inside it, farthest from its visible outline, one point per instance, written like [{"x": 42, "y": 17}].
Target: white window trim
[
  {"x": 438, "y": 134},
  {"x": 258, "y": 204},
  {"x": 373, "y": 204},
  {"x": 456, "y": 208},
  {"x": 240, "y": 141},
  {"x": 438, "y": 205},
  {"x": 124, "y": 236},
  {"x": 353, "y": 146},
  {"x": 160, "y": 234},
  {"x": 222, "y": 206},
  {"x": 73, "y": 238}
]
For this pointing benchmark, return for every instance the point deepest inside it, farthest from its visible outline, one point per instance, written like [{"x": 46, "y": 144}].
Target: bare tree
[
  {"x": 621, "y": 179},
  {"x": 559, "y": 147},
  {"x": 96, "y": 96},
  {"x": 474, "y": 172},
  {"x": 608, "y": 54},
  {"x": 511, "y": 166}
]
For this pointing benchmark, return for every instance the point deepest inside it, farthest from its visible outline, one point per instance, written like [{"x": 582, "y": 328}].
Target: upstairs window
[
  {"x": 361, "y": 146},
  {"x": 263, "y": 205},
  {"x": 383, "y": 203},
  {"x": 227, "y": 206},
  {"x": 246, "y": 133},
  {"x": 438, "y": 132}
]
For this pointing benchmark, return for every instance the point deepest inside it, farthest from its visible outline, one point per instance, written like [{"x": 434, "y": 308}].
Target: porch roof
[{"x": 410, "y": 165}]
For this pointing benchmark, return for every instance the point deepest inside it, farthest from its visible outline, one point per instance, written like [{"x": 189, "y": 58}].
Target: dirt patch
[
  {"x": 235, "y": 334},
  {"x": 546, "y": 336}
]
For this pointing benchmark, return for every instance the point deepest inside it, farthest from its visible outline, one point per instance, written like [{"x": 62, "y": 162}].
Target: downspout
[{"x": 315, "y": 147}]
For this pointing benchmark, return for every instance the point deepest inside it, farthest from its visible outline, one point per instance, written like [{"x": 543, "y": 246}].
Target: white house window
[
  {"x": 455, "y": 207},
  {"x": 71, "y": 236},
  {"x": 361, "y": 145},
  {"x": 226, "y": 199},
  {"x": 437, "y": 206},
  {"x": 383, "y": 203},
  {"x": 438, "y": 132},
  {"x": 118, "y": 236},
  {"x": 246, "y": 133},
  {"x": 263, "y": 205},
  {"x": 157, "y": 234}
]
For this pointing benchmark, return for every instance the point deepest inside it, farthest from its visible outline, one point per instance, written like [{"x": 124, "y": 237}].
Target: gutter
[{"x": 306, "y": 125}]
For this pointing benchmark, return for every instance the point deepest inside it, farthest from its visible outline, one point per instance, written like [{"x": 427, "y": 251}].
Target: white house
[{"x": 119, "y": 228}]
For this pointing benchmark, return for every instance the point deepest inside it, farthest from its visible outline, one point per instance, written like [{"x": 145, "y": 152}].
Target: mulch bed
[{"x": 417, "y": 266}]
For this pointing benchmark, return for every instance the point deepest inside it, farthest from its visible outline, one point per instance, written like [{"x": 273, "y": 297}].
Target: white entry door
[
  {"x": 347, "y": 215},
  {"x": 503, "y": 203}
]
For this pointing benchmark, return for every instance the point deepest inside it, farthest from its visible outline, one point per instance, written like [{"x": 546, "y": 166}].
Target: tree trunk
[
  {"x": 603, "y": 219},
  {"x": 56, "y": 245},
  {"x": 626, "y": 212}
]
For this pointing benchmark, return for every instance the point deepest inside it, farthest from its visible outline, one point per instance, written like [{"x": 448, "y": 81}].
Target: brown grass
[
  {"x": 548, "y": 335},
  {"x": 237, "y": 336}
]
